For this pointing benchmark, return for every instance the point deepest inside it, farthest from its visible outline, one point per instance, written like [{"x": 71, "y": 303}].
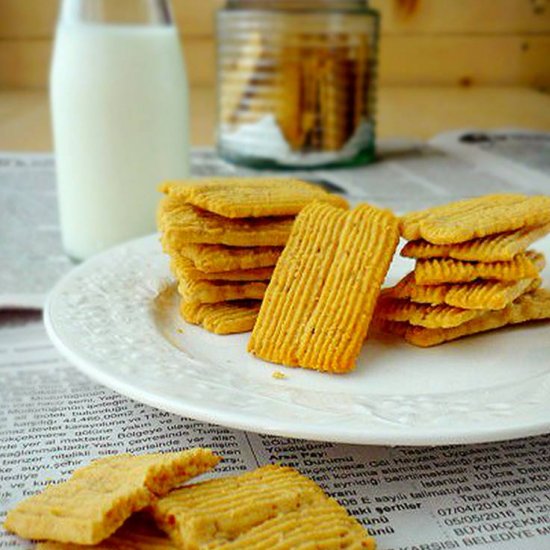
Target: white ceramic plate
[{"x": 115, "y": 317}]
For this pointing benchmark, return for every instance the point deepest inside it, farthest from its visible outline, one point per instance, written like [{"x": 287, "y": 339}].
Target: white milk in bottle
[{"x": 120, "y": 119}]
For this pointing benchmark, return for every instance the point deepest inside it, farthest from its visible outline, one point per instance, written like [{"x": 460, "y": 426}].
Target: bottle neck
[
  {"x": 299, "y": 5},
  {"x": 125, "y": 12}
]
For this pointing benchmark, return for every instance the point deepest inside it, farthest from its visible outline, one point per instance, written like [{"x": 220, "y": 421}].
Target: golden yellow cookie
[
  {"x": 290, "y": 96},
  {"x": 446, "y": 270},
  {"x": 215, "y": 258},
  {"x": 249, "y": 197},
  {"x": 424, "y": 315},
  {"x": 494, "y": 248},
  {"x": 183, "y": 268},
  {"x": 238, "y": 81},
  {"x": 98, "y": 498},
  {"x": 261, "y": 96},
  {"x": 310, "y": 65},
  {"x": 361, "y": 80},
  {"x": 481, "y": 294},
  {"x": 321, "y": 297},
  {"x": 169, "y": 208},
  {"x": 491, "y": 294},
  {"x": 335, "y": 102},
  {"x": 271, "y": 508},
  {"x": 188, "y": 224},
  {"x": 138, "y": 533},
  {"x": 478, "y": 217},
  {"x": 407, "y": 288},
  {"x": 211, "y": 292},
  {"x": 531, "y": 306},
  {"x": 222, "y": 317}
]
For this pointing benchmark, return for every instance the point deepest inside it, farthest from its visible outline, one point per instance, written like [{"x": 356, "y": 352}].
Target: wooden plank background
[{"x": 424, "y": 42}]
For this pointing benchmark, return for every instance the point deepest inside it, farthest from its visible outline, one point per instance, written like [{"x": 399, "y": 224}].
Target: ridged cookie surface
[
  {"x": 188, "y": 224},
  {"x": 424, "y": 315},
  {"x": 494, "y": 248},
  {"x": 321, "y": 524},
  {"x": 335, "y": 104},
  {"x": 489, "y": 294},
  {"x": 531, "y": 306},
  {"x": 210, "y": 292},
  {"x": 322, "y": 294},
  {"x": 216, "y": 258},
  {"x": 183, "y": 267},
  {"x": 249, "y": 197},
  {"x": 481, "y": 294},
  {"x": 273, "y": 507},
  {"x": 446, "y": 270},
  {"x": 98, "y": 498},
  {"x": 288, "y": 108},
  {"x": 473, "y": 218},
  {"x": 222, "y": 317}
]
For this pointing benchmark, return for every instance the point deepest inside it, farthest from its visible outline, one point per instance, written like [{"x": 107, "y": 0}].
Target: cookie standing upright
[{"x": 321, "y": 298}]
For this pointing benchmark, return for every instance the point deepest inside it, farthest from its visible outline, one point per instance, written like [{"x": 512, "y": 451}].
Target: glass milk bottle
[{"x": 119, "y": 99}]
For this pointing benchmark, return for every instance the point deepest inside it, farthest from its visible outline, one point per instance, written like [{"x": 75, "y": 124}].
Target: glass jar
[{"x": 296, "y": 82}]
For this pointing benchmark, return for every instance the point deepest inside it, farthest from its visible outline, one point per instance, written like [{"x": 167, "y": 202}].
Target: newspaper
[
  {"x": 516, "y": 152},
  {"x": 31, "y": 254},
  {"x": 53, "y": 419}
]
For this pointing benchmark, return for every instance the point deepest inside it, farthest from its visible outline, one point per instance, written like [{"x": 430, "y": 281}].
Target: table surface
[{"x": 418, "y": 112}]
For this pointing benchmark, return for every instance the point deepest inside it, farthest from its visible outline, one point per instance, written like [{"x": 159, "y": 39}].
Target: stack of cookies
[
  {"x": 224, "y": 236},
  {"x": 473, "y": 269}
]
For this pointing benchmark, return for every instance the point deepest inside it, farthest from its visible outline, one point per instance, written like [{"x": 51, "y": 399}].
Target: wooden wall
[{"x": 424, "y": 42}]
